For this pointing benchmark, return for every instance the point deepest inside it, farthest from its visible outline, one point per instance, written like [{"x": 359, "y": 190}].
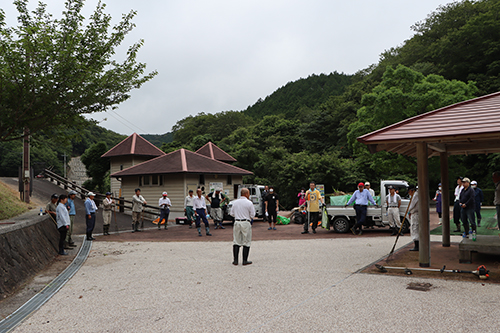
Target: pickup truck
[
  {"x": 343, "y": 218},
  {"x": 255, "y": 197}
]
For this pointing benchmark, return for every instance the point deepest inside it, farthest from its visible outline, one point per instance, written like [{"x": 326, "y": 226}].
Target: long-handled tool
[
  {"x": 401, "y": 227},
  {"x": 481, "y": 271},
  {"x": 116, "y": 223}
]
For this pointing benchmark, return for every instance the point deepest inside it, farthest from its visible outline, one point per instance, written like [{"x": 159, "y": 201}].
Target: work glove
[{"x": 267, "y": 214}]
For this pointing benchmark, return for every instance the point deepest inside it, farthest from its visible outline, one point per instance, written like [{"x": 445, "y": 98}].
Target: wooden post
[
  {"x": 423, "y": 205},
  {"x": 445, "y": 199}
]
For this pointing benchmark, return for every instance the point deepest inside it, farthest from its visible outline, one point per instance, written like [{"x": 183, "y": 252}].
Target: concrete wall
[{"x": 26, "y": 247}]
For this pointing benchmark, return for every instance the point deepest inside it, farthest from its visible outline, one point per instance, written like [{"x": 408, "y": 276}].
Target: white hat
[
  {"x": 473, "y": 182},
  {"x": 91, "y": 194},
  {"x": 164, "y": 193},
  {"x": 367, "y": 183}
]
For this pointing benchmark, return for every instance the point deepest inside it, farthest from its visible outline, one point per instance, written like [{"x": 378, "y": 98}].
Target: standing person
[
  {"x": 263, "y": 197},
  {"x": 496, "y": 201},
  {"x": 90, "y": 210},
  {"x": 63, "y": 222},
  {"x": 393, "y": 201},
  {"x": 70, "y": 205},
  {"x": 200, "y": 211},
  {"x": 217, "y": 199},
  {"x": 413, "y": 214},
  {"x": 313, "y": 197},
  {"x": 368, "y": 187},
  {"x": 243, "y": 212},
  {"x": 302, "y": 197},
  {"x": 188, "y": 208},
  {"x": 138, "y": 203},
  {"x": 439, "y": 199},
  {"x": 457, "y": 210},
  {"x": 272, "y": 207},
  {"x": 52, "y": 206},
  {"x": 468, "y": 206},
  {"x": 107, "y": 205},
  {"x": 361, "y": 197},
  {"x": 478, "y": 199},
  {"x": 164, "y": 203}
]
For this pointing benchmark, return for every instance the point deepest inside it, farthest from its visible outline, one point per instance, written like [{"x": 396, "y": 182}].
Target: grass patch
[
  {"x": 488, "y": 221},
  {"x": 10, "y": 205}
]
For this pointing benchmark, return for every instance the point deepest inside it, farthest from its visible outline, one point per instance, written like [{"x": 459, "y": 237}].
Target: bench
[{"x": 483, "y": 244}]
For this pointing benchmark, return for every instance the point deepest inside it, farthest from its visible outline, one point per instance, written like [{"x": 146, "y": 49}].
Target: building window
[
  {"x": 229, "y": 180},
  {"x": 202, "y": 179},
  {"x": 161, "y": 180},
  {"x": 146, "y": 180},
  {"x": 140, "y": 181},
  {"x": 154, "y": 180}
]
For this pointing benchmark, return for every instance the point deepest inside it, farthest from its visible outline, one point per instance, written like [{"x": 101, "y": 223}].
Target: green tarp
[{"x": 341, "y": 200}]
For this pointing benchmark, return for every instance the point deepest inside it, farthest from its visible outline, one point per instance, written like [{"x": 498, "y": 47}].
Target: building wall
[{"x": 120, "y": 163}]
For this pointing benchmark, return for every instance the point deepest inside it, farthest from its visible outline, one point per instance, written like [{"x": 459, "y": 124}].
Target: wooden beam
[
  {"x": 439, "y": 147},
  {"x": 423, "y": 205},
  {"x": 445, "y": 200}
]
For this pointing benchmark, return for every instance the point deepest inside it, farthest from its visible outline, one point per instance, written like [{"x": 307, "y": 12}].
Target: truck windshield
[{"x": 401, "y": 189}]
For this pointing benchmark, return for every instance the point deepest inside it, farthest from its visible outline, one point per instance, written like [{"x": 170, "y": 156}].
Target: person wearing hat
[
  {"x": 313, "y": 198},
  {"x": 467, "y": 202},
  {"x": 393, "y": 201},
  {"x": 188, "y": 208},
  {"x": 107, "y": 204},
  {"x": 478, "y": 198},
  {"x": 369, "y": 189},
  {"x": 51, "y": 207},
  {"x": 439, "y": 198},
  {"x": 413, "y": 215},
  {"x": 164, "y": 204},
  {"x": 457, "y": 210},
  {"x": 70, "y": 205},
  {"x": 90, "y": 210},
  {"x": 138, "y": 203},
  {"x": 361, "y": 197}
]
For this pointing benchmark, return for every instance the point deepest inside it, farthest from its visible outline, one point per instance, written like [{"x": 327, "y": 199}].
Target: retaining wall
[{"x": 26, "y": 247}]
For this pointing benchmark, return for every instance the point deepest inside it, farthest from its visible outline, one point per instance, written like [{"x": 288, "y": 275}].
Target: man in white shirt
[
  {"x": 188, "y": 208},
  {"x": 164, "y": 204},
  {"x": 200, "y": 211},
  {"x": 138, "y": 202},
  {"x": 457, "y": 210},
  {"x": 243, "y": 212},
  {"x": 393, "y": 201}
]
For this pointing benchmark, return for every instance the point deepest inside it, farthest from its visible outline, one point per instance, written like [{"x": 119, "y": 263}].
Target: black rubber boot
[
  {"x": 246, "y": 251},
  {"x": 199, "y": 231},
  {"x": 207, "y": 229},
  {"x": 394, "y": 232},
  {"x": 133, "y": 227},
  {"x": 415, "y": 247},
  {"x": 236, "y": 252}
]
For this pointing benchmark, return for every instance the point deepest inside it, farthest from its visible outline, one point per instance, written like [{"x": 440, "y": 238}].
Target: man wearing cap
[
  {"x": 164, "y": 204},
  {"x": 369, "y": 189},
  {"x": 413, "y": 214},
  {"x": 361, "y": 197},
  {"x": 90, "y": 210},
  {"x": 496, "y": 201},
  {"x": 200, "y": 211},
  {"x": 70, "y": 205},
  {"x": 468, "y": 205},
  {"x": 313, "y": 198},
  {"x": 138, "y": 202},
  {"x": 243, "y": 212},
  {"x": 52, "y": 206},
  {"x": 216, "y": 200},
  {"x": 457, "y": 210},
  {"x": 188, "y": 208},
  {"x": 107, "y": 204},
  {"x": 393, "y": 201},
  {"x": 478, "y": 198}
]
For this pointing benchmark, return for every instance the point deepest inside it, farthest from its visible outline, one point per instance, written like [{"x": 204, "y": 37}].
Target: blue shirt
[
  {"x": 89, "y": 206},
  {"x": 361, "y": 198},
  {"x": 71, "y": 205}
]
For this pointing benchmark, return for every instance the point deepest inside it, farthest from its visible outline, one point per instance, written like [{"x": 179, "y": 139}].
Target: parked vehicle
[
  {"x": 343, "y": 218},
  {"x": 255, "y": 197}
]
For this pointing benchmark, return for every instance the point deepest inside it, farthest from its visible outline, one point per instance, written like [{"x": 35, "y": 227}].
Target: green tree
[
  {"x": 97, "y": 167},
  {"x": 53, "y": 70}
]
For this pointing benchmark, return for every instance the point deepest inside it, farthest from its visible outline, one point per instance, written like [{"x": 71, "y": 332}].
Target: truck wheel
[
  {"x": 406, "y": 226},
  {"x": 341, "y": 225}
]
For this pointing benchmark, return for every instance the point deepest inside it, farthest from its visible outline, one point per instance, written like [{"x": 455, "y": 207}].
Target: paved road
[{"x": 293, "y": 286}]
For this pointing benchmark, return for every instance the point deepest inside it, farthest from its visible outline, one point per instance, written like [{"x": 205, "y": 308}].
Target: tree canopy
[{"x": 54, "y": 70}]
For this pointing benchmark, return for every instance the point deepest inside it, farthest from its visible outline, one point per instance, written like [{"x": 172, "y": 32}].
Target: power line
[{"x": 117, "y": 117}]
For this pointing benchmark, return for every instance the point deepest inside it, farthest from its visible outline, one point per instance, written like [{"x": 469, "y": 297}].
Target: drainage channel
[{"x": 43, "y": 296}]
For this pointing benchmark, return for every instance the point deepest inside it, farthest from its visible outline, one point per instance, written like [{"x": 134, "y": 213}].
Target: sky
[{"x": 222, "y": 55}]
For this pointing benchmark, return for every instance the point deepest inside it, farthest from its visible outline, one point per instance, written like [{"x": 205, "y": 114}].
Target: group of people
[
  {"x": 195, "y": 209},
  {"x": 466, "y": 206}
]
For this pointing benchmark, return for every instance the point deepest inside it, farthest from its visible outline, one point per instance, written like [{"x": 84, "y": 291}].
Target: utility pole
[
  {"x": 26, "y": 165},
  {"x": 64, "y": 165}
]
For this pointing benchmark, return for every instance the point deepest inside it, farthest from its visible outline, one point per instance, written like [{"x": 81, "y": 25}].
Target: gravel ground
[{"x": 293, "y": 286}]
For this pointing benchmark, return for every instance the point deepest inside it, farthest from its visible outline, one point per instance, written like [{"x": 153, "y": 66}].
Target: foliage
[
  {"x": 97, "y": 167},
  {"x": 159, "y": 139},
  {"x": 10, "y": 205},
  {"x": 53, "y": 70}
]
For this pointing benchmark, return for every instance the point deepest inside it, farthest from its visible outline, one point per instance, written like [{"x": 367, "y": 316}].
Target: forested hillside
[{"x": 306, "y": 130}]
